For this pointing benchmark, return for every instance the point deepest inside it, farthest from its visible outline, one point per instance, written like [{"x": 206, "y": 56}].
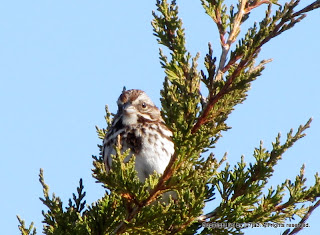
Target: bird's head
[{"x": 136, "y": 107}]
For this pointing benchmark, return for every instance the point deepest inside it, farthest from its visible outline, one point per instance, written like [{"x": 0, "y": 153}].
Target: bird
[{"x": 139, "y": 126}]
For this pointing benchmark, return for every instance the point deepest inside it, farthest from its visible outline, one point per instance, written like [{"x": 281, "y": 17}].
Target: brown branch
[
  {"x": 220, "y": 27},
  {"x": 130, "y": 197},
  {"x": 158, "y": 189},
  {"x": 231, "y": 39},
  {"x": 305, "y": 217},
  {"x": 257, "y": 4},
  {"x": 231, "y": 62},
  {"x": 217, "y": 20},
  {"x": 214, "y": 99},
  {"x": 213, "y": 213},
  {"x": 237, "y": 22},
  {"x": 308, "y": 8}
]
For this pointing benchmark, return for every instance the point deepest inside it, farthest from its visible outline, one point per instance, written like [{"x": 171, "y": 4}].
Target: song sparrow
[{"x": 142, "y": 129}]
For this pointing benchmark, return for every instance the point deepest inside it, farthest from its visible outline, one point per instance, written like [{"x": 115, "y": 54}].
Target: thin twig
[
  {"x": 304, "y": 219},
  {"x": 308, "y": 8},
  {"x": 251, "y": 7},
  {"x": 231, "y": 39},
  {"x": 213, "y": 213}
]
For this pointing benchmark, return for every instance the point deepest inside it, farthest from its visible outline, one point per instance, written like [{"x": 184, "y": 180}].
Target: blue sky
[{"x": 62, "y": 61}]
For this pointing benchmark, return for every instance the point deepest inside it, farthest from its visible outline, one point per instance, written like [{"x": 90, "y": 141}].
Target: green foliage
[
  {"x": 132, "y": 207},
  {"x": 26, "y": 231},
  {"x": 139, "y": 210},
  {"x": 241, "y": 188},
  {"x": 64, "y": 221}
]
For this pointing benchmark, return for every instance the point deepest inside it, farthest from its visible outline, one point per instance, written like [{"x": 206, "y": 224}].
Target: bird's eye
[{"x": 143, "y": 105}]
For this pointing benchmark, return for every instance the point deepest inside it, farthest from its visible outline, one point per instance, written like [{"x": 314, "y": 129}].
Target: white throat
[{"x": 129, "y": 119}]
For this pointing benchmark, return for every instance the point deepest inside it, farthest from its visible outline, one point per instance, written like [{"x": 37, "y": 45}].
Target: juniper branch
[
  {"x": 285, "y": 16},
  {"x": 232, "y": 37},
  {"x": 26, "y": 231}
]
